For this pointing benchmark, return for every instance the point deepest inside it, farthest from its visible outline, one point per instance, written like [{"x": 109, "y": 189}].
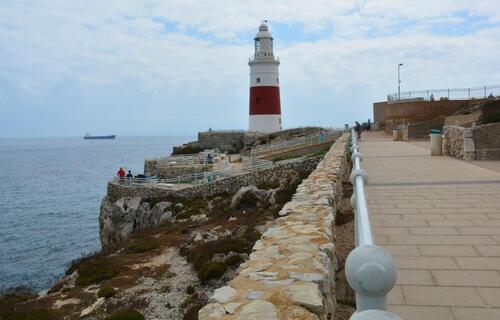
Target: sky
[{"x": 175, "y": 67}]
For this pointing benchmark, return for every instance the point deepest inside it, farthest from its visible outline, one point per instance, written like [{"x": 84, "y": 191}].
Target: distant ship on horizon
[{"x": 88, "y": 136}]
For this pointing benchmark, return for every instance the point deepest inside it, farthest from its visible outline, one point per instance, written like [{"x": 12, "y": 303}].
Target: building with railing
[{"x": 446, "y": 94}]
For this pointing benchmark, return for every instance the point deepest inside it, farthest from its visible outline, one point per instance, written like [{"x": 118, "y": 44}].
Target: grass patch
[
  {"x": 319, "y": 153},
  {"x": 142, "y": 247},
  {"x": 268, "y": 185},
  {"x": 190, "y": 289},
  {"x": 127, "y": 314},
  {"x": 212, "y": 270},
  {"x": 95, "y": 269},
  {"x": 106, "y": 292},
  {"x": 192, "y": 313},
  {"x": 233, "y": 260},
  {"x": 201, "y": 255},
  {"x": 187, "y": 149}
]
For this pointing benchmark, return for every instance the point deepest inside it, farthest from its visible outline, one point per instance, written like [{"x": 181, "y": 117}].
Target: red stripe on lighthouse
[{"x": 265, "y": 100}]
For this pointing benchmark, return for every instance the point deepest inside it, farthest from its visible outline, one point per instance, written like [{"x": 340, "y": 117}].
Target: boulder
[{"x": 249, "y": 197}]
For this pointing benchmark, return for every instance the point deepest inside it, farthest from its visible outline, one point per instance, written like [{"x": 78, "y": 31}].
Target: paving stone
[
  {"x": 425, "y": 262},
  {"x": 442, "y": 296},
  {"x": 476, "y": 313},
  {"x": 415, "y": 277},
  {"x": 478, "y": 263},
  {"x": 491, "y": 296},
  {"x": 469, "y": 278},
  {"x": 448, "y": 250},
  {"x": 488, "y": 251},
  {"x": 422, "y": 312}
]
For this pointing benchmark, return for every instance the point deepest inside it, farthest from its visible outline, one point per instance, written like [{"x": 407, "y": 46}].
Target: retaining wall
[
  {"x": 479, "y": 143},
  {"x": 163, "y": 170},
  {"x": 291, "y": 272},
  {"x": 231, "y": 184}
]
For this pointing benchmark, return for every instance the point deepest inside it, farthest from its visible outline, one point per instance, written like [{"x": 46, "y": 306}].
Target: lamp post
[{"x": 399, "y": 81}]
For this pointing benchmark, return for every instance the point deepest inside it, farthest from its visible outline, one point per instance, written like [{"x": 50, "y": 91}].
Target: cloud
[{"x": 185, "y": 61}]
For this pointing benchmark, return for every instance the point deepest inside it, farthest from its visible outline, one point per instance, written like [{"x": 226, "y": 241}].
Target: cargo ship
[{"x": 88, "y": 136}]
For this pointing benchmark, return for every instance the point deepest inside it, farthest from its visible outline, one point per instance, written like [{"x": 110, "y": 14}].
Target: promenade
[{"x": 440, "y": 218}]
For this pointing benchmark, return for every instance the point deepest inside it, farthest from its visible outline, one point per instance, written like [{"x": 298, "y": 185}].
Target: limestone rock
[
  {"x": 167, "y": 216},
  {"x": 307, "y": 295},
  {"x": 223, "y": 294},
  {"x": 211, "y": 311},
  {"x": 248, "y": 196},
  {"x": 258, "y": 310}
]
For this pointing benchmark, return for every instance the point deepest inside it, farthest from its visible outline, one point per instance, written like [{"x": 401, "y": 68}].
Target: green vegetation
[
  {"x": 201, "y": 255},
  {"x": 286, "y": 157},
  {"x": 318, "y": 153},
  {"x": 268, "y": 185},
  {"x": 106, "y": 292},
  {"x": 95, "y": 269},
  {"x": 491, "y": 118},
  {"x": 233, "y": 260},
  {"x": 190, "y": 289},
  {"x": 11, "y": 301},
  {"x": 192, "y": 312},
  {"x": 211, "y": 270},
  {"x": 141, "y": 247},
  {"x": 127, "y": 314}
]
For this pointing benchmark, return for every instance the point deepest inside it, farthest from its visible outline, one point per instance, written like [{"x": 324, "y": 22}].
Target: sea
[{"x": 50, "y": 193}]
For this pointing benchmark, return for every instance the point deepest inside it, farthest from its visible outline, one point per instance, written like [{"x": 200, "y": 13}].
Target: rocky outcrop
[
  {"x": 251, "y": 195},
  {"x": 291, "y": 272},
  {"x": 119, "y": 219}
]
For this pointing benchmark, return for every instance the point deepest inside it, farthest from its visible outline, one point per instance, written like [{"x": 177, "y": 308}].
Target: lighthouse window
[
  {"x": 277, "y": 80},
  {"x": 258, "y": 80}
]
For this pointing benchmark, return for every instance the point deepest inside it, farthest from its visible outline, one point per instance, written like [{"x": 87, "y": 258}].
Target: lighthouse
[{"x": 265, "y": 106}]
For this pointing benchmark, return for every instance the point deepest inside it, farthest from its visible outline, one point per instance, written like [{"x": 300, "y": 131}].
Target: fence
[
  {"x": 307, "y": 140},
  {"x": 370, "y": 269},
  {"x": 447, "y": 94},
  {"x": 248, "y": 165}
]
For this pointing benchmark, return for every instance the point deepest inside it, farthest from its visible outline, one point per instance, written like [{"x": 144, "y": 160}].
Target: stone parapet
[{"x": 291, "y": 272}]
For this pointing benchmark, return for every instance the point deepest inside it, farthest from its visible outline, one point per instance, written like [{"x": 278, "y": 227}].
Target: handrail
[
  {"x": 467, "y": 94},
  {"x": 370, "y": 269},
  {"x": 311, "y": 140}
]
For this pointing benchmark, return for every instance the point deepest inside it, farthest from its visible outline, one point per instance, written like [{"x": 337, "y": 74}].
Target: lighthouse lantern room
[{"x": 265, "y": 108}]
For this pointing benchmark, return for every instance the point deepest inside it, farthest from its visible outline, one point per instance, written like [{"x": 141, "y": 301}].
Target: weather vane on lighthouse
[{"x": 265, "y": 106}]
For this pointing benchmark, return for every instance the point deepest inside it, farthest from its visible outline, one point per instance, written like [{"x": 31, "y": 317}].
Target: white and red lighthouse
[{"x": 265, "y": 106}]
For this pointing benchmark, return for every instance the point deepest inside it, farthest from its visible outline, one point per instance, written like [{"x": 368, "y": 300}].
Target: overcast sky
[{"x": 174, "y": 67}]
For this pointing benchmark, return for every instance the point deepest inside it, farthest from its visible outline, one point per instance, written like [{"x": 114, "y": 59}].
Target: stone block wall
[
  {"x": 477, "y": 143},
  {"x": 453, "y": 141},
  {"x": 487, "y": 141},
  {"x": 223, "y": 140},
  {"x": 155, "y": 167},
  {"x": 291, "y": 272}
]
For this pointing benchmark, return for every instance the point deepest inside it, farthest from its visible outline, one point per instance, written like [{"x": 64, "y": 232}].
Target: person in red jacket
[{"x": 121, "y": 175}]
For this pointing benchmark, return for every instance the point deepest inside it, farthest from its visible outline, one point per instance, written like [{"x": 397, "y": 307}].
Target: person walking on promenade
[
  {"x": 357, "y": 128},
  {"x": 369, "y": 125}
]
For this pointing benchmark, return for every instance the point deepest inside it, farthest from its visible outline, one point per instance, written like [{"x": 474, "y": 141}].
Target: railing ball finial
[
  {"x": 370, "y": 271},
  {"x": 356, "y": 154}
]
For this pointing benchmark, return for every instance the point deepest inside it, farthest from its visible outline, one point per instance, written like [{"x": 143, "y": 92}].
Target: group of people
[
  {"x": 121, "y": 173},
  {"x": 358, "y": 128}
]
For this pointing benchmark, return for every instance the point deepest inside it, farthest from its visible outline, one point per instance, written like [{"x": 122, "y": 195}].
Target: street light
[{"x": 399, "y": 81}]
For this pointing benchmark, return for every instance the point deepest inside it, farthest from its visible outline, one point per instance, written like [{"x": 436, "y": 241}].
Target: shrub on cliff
[
  {"x": 96, "y": 269},
  {"x": 211, "y": 270},
  {"x": 106, "y": 292},
  {"x": 127, "y": 314},
  {"x": 141, "y": 247}
]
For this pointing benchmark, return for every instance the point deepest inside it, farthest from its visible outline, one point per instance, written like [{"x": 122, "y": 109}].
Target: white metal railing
[
  {"x": 370, "y": 269},
  {"x": 307, "y": 140},
  {"x": 447, "y": 94}
]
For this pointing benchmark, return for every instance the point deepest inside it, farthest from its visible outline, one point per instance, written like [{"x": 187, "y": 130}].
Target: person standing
[
  {"x": 121, "y": 175},
  {"x": 369, "y": 125},
  {"x": 357, "y": 128}
]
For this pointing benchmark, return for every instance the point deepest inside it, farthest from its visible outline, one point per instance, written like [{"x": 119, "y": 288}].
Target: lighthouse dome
[{"x": 263, "y": 31}]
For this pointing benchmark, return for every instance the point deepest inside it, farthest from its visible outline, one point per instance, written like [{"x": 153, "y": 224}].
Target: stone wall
[
  {"x": 421, "y": 130},
  {"x": 155, "y": 167},
  {"x": 291, "y": 272},
  {"x": 487, "y": 141},
  {"x": 476, "y": 143},
  {"x": 453, "y": 141}
]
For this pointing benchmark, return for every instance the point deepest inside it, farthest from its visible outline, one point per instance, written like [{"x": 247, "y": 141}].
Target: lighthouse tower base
[{"x": 265, "y": 123}]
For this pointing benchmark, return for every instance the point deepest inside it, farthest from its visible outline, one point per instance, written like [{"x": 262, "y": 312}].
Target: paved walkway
[{"x": 440, "y": 217}]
